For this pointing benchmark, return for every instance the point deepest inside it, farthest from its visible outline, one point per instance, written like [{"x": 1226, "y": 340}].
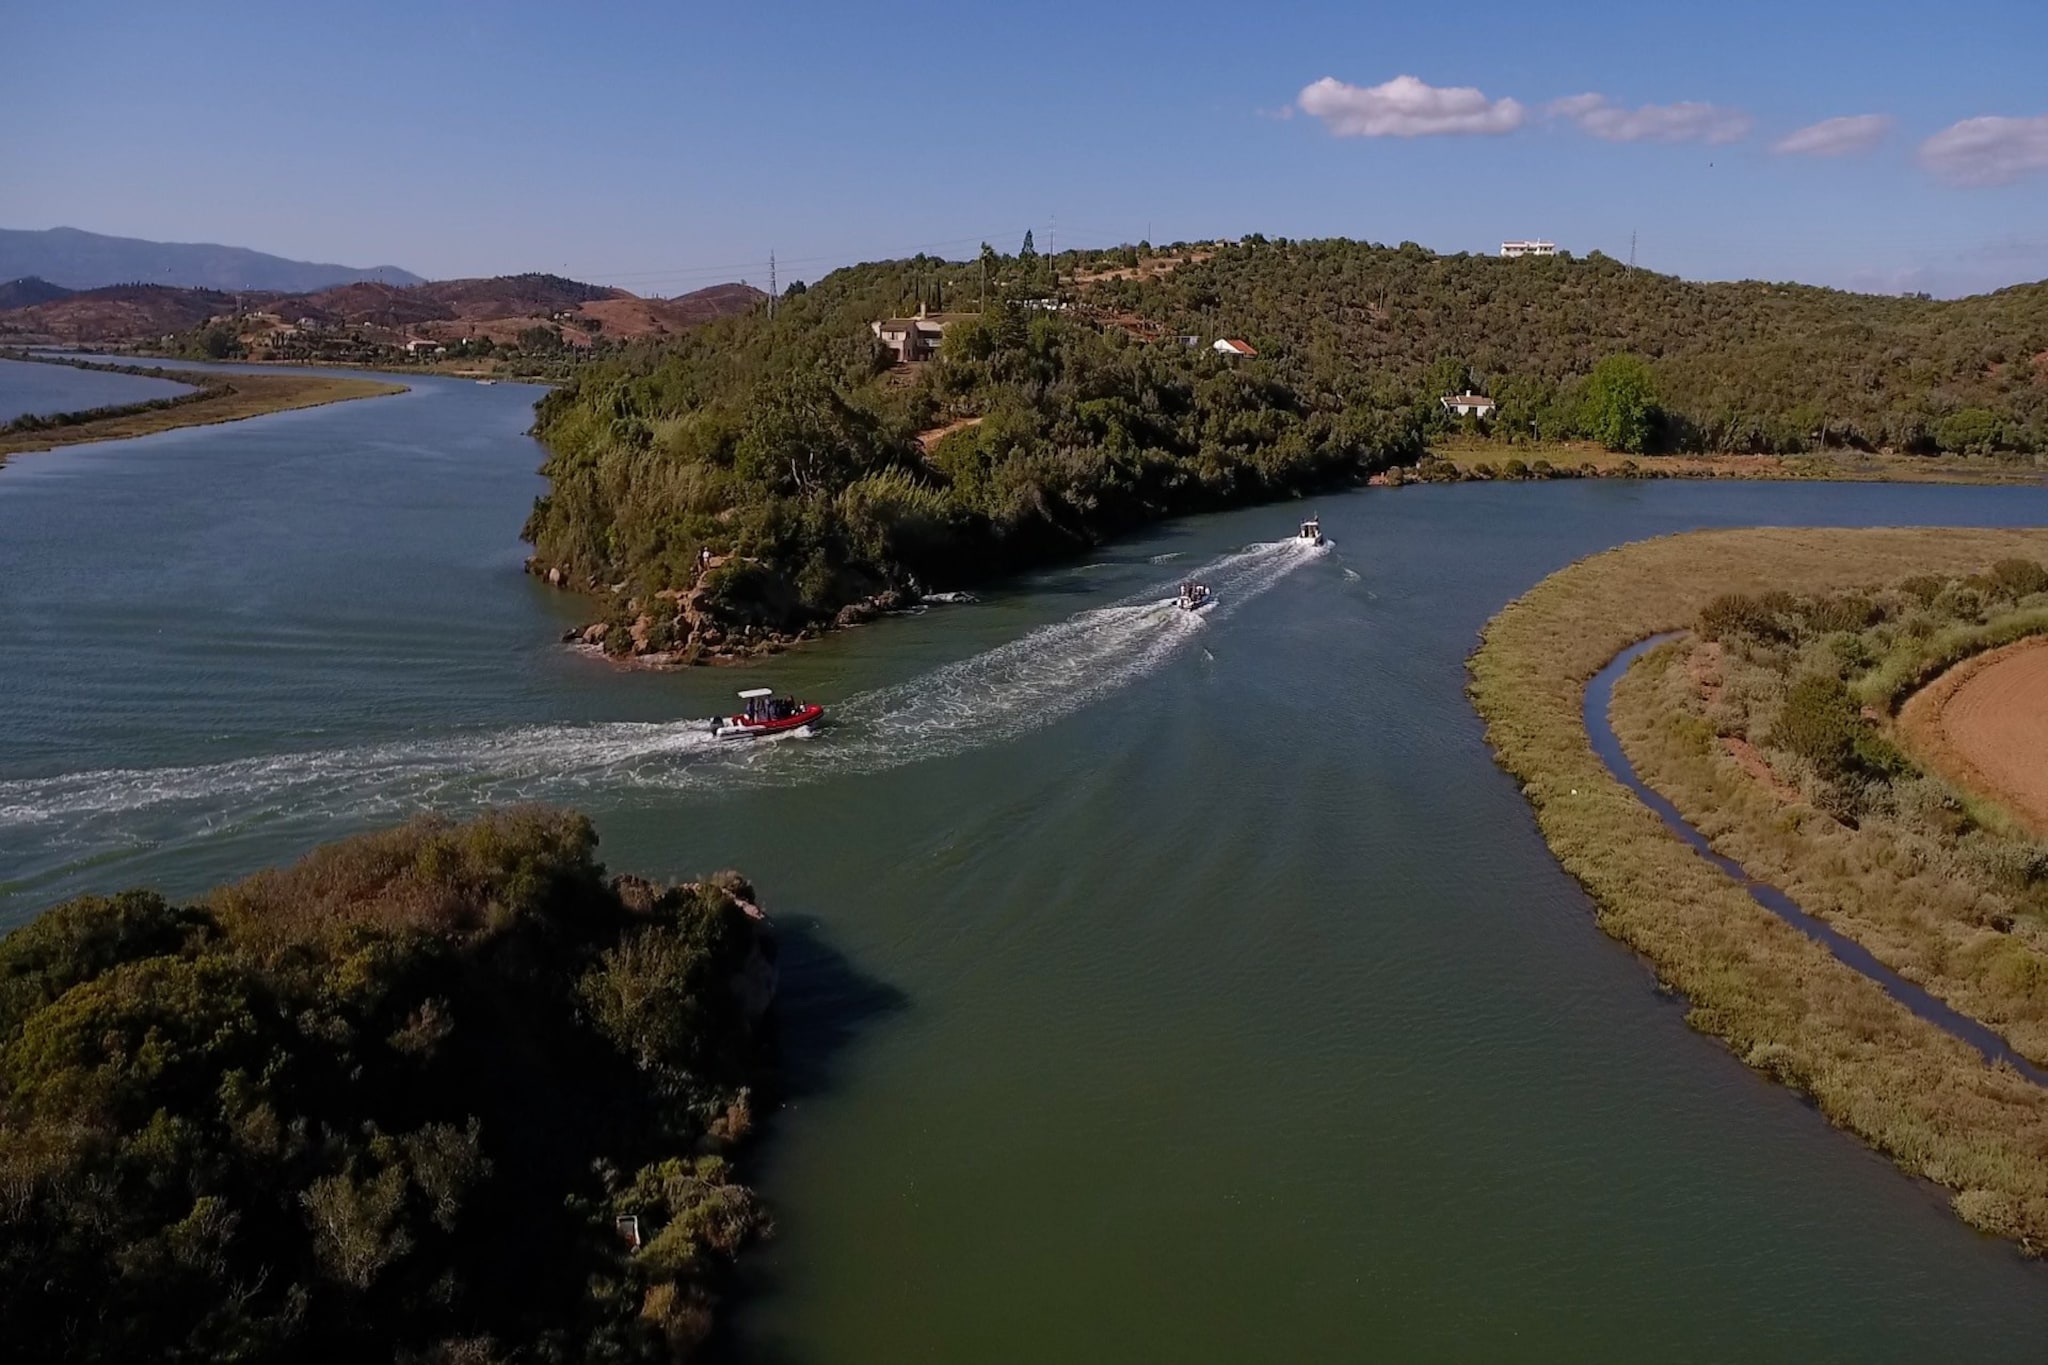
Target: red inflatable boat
[{"x": 766, "y": 714}]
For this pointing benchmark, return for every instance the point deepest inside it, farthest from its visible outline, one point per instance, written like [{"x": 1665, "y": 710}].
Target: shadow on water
[
  {"x": 824, "y": 1004},
  {"x": 1921, "y": 1002}
]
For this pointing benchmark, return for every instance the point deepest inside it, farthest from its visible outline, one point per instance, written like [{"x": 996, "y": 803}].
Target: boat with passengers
[{"x": 766, "y": 714}]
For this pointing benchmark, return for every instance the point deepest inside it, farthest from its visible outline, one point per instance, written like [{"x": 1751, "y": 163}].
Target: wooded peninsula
[{"x": 926, "y": 423}]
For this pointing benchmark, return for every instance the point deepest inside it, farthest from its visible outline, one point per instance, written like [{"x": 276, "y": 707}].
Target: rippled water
[
  {"x": 1158, "y": 989},
  {"x": 32, "y": 387}
]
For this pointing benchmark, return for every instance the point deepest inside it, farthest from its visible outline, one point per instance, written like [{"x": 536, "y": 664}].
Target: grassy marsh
[
  {"x": 222, "y": 397},
  {"x": 1778, "y": 999}
]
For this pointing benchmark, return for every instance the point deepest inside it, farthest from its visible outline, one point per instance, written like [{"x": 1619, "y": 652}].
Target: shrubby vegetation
[
  {"x": 387, "y": 1104},
  {"x": 789, "y": 443},
  {"x": 1941, "y": 908},
  {"x": 1746, "y": 368},
  {"x": 1837, "y": 655},
  {"x": 1942, "y": 885}
]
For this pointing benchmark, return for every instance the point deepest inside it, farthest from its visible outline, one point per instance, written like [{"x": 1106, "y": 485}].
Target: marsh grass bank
[
  {"x": 1470, "y": 459},
  {"x": 1779, "y": 999},
  {"x": 216, "y": 398}
]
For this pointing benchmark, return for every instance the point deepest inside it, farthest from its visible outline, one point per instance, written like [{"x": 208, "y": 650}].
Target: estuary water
[
  {"x": 1155, "y": 989},
  {"x": 30, "y": 387}
]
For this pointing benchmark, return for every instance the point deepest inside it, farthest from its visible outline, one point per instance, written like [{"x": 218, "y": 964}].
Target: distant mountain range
[
  {"x": 76, "y": 260},
  {"x": 33, "y": 311}
]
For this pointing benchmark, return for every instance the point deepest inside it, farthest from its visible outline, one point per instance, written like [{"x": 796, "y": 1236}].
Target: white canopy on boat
[{"x": 758, "y": 692}]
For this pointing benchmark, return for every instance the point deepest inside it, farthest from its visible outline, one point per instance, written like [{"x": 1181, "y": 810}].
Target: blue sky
[{"x": 667, "y": 147}]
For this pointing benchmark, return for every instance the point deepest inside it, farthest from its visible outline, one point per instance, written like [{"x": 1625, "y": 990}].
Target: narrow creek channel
[{"x": 1600, "y": 700}]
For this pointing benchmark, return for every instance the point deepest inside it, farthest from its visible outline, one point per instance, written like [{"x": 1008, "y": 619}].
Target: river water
[
  {"x": 1155, "y": 990},
  {"x": 29, "y": 387}
]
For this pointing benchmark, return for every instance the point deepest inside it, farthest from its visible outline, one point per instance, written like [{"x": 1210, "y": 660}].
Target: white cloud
[
  {"x": 1686, "y": 122},
  {"x": 1407, "y": 107},
  {"x": 1987, "y": 151},
  {"x": 1836, "y": 136}
]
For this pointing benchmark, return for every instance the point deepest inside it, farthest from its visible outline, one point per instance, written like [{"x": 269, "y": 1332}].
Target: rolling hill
[
  {"x": 1088, "y": 399},
  {"x": 77, "y": 259},
  {"x": 29, "y": 291},
  {"x": 124, "y": 312},
  {"x": 500, "y": 308}
]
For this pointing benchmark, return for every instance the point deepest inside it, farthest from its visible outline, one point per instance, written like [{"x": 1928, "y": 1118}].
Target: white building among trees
[
  {"x": 1531, "y": 248},
  {"x": 1467, "y": 405}
]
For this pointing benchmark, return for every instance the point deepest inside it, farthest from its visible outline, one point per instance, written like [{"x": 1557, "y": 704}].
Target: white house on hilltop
[
  {"x": 913, "y": 339},
  {"x": 1231, "y": 346},
  {"x": 1513, "y": 249},
  {"x": 1467, "y": 405}
]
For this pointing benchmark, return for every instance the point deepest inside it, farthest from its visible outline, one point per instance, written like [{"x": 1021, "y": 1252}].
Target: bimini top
[{"x": 753, "y": 692}]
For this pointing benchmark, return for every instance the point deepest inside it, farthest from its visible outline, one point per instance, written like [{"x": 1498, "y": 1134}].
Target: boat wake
[{"x": 986, "y": 699}]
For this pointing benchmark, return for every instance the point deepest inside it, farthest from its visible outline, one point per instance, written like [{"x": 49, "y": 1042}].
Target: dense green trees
[
  {"x": 1621, "y": 404},
  {"x": 387, "y": 1104},
  {"x": 789, "y": 442},
  {"x": 1747, "y": 367}
]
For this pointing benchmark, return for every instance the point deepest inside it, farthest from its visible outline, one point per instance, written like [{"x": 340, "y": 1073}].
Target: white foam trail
[{"x": 1034, "y": 680}]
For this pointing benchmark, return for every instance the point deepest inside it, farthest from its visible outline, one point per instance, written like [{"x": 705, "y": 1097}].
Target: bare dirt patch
[
  {"x": 927, "y": 439},
  {"x": 1149, "y": 268},
  {"x": 1984, "y": 725},
  {"x": 1759, "y": 769}
]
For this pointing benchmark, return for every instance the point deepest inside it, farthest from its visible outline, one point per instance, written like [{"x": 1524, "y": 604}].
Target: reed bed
[{"x": 1779, "y": 1000}]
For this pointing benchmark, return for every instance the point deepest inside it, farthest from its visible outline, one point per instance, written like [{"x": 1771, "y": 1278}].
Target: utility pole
[
  {"x": 1631, "y": 249},
  {"x": 771, "y": 282}
]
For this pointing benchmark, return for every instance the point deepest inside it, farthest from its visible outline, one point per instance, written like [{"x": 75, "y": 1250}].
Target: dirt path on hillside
[
  {"x": 1984, "y": 724},
  {"x": 927, "y": 439}
]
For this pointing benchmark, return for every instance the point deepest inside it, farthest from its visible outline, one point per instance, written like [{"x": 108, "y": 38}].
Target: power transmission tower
[
  {"x": 1631, "y": 248},
  {"x": 771, "y": 283}
]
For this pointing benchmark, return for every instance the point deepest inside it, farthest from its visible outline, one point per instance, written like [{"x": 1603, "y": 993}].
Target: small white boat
[
  {"x": 766, "y": 714},
  {"x": 1311, "y": 532},
  {"x": 487, "y": 382},
  {"x": 1193, "y": 597}
]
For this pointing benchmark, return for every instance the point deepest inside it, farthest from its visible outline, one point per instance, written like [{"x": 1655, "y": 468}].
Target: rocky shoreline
[{"x": 674, "y": 629}]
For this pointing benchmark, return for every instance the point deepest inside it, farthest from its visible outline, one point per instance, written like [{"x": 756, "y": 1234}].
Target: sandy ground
[
  {"x": 1984, "y": 724},
  {"x": 927, "y": 439}
]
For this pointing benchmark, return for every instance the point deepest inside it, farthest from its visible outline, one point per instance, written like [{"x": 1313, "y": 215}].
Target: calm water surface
[
  {"x": 1156, "y": 991},
  {"x": 29, "y": 387}
]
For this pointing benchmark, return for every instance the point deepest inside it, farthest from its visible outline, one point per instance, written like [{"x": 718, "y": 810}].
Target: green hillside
[{"x": 791, "y": 444}]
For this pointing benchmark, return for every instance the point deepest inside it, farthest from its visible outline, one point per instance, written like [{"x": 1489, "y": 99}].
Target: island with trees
[
  {"x": 443, "y": 1093},
  {"x": 910, "y": 424}
]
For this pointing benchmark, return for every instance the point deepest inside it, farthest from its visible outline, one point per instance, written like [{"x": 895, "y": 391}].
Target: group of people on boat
[
  {"x": 1192, "y": 597},
  {"x": 770, "y": 708}
]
